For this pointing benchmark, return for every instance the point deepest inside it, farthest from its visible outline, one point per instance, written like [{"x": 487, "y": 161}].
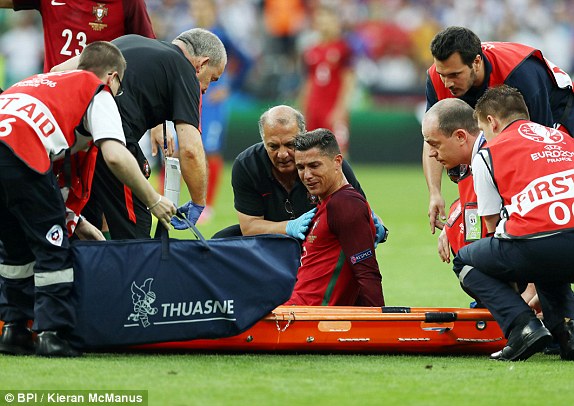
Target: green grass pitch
[{"x": 412, "y": 276}]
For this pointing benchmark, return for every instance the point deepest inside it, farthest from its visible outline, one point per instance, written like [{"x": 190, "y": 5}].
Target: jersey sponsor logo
[
  {"x": 361, "y": 256},
  {"x": 546, "y": 189},
  {"x": 143, "y": 299},
  {"x": 55, "y": 236},
  {"x": 58, "y": 3},
  {"x": 539, "y": 133}
]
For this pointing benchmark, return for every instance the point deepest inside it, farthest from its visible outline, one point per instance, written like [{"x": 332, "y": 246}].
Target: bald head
[
  {"x": 450, "y": 130},
  {"x": 283, "y": 116},
  {"x": 448, "y": 115}
]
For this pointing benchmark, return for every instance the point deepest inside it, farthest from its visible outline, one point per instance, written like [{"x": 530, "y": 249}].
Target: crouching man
[
  {"x": 43, "y": 119},
  {"x": 520, "y": 174}
]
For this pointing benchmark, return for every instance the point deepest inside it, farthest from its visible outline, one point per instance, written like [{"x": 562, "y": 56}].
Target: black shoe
[
  {"x": 16, "y": 339},
  {"x": 523, "y": 342},
  {"x": 565, "y": 337},
  {"x": 552, "y": 349},
  {"x": 49, "y": 344}
]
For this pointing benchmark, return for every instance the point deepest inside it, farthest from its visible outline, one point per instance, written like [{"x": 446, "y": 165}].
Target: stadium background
[
  {"x": 390, "y": 39},
  {"x": 385, "y": 130}
]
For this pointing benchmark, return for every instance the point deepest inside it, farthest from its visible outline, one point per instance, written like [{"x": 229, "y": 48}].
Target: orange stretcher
[{"x": 359, "y": 330}]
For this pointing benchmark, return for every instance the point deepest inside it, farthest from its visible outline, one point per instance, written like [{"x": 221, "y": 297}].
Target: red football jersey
[
  {"x": 338, "y": 263},
  {"x": 326, "y": 64},
  {"x": 69, "y": 25}
]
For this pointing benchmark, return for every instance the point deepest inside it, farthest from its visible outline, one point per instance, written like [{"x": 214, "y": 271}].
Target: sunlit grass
[{"x": 412, "y": 275}]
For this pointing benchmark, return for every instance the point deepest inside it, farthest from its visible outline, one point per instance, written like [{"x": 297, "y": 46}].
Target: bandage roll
[{"x": 172, "y": 181}]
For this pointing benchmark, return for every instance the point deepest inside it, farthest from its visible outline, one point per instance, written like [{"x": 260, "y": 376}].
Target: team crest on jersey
[
  {"x": 312, "y": 198},
  {"x": 55, "y": 236},
  {"x": 539, "y": 133},
  {"x": 311, "y": 237},
  {"x": 99, "y": 11}
]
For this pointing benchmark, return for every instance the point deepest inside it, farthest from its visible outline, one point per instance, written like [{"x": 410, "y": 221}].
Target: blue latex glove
[
  {"x": 381, "y": 232},
  {"x": 297, "y": 227},
  {"x": 191, "y": 210}
]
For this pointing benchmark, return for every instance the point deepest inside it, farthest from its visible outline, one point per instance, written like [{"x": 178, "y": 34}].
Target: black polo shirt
[
  {"x": 159, "y": 84},
  {"x": 257, "y": 192}
]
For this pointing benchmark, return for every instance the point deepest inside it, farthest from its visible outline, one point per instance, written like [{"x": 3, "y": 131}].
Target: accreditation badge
[
  {"x": 472, "y": 223},
  {"x": 454, "y": 227}
]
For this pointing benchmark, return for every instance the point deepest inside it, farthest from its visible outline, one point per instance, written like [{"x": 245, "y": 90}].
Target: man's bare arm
[
  {"x": 433, "y": 175},
  {"x": 192, "y": 161},
  {"x": 70, "y": 64},
  {"x": 252, "y": 225},
  {"x": 157, "y": 141},
  {"x": 491, "y": 222},
  {"x": 6, "y": 4}
]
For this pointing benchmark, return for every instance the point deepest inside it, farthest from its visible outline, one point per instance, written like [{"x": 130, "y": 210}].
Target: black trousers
[
  {"x": 487, "y": 266},
  {"x": 126, "y": 215},
  {"x": 36, "y": 270}
]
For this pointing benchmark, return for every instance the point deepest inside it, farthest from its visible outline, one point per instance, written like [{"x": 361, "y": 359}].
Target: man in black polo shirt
[
  {"x": 163, "y": 81},
  {"x": 269, "y": 196}
]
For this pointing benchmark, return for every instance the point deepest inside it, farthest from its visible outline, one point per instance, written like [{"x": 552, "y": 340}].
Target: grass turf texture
[{"x": 412, "y": 276}]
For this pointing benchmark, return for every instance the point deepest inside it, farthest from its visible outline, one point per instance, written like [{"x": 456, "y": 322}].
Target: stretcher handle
[
  {"x": 430, "y": 316},
  {"x": 395, "y": 309},
  {"x": 193, "y": 229},
  {"x": 162, "y": 233},
  {"x": 440, "y": 317}
]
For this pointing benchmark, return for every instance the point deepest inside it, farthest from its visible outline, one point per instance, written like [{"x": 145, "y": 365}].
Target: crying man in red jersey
[{"x": 338, "y": 263}]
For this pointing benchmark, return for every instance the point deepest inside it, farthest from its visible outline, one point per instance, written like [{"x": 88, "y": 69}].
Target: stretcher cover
[
  {"x": 157, "y": 290},
  {"x": 357, "y": 330}
]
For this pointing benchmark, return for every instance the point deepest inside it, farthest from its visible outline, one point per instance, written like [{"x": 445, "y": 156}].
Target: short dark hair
[
  {"x": 320, "y": 138},
  {"x": 101, "y": 57},
  {"x": 456, "y": 39},
  {"x": 501, "y": 101}
]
